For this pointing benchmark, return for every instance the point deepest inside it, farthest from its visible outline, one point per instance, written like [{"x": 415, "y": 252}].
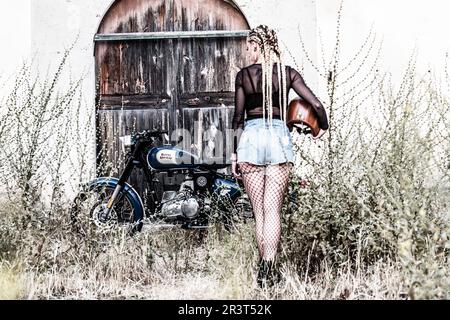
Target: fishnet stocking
[
  {"x": 274, "y": 192},
  {"x": 253, "y": 177},
  {"x": 266, "y": 186}
]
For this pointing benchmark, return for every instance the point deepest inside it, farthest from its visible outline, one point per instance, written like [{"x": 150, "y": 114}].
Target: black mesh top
[{"x": 249, "y": 99}]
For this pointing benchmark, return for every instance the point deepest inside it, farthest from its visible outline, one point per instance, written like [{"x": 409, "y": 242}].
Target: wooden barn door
[{"x": 170, "y": 65}]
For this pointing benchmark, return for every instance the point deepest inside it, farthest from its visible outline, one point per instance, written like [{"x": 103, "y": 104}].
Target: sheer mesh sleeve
[
  {"x": 239, "y": 109},
  {"x": 300, "y": 87}
]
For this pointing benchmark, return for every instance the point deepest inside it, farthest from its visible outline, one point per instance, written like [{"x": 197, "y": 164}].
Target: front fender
[{"x": 130, "y": 193}]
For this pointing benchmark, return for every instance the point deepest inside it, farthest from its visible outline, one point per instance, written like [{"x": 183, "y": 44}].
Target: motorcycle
[{"x": 193, "y": 192}]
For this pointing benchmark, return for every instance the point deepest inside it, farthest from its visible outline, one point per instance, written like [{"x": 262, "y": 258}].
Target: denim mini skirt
[{"x": 264, "y": 144}]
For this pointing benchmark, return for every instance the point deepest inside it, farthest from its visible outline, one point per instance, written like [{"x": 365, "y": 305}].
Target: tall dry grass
[{"x": 379, "y": 188}]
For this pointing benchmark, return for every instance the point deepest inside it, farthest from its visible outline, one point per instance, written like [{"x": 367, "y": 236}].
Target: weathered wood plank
[
  {"x": 170, "y": 35},
  {"x": 206, "y": 125},
  {"x": 210, "y": 64},
  {"x": 117, "y": 102}
]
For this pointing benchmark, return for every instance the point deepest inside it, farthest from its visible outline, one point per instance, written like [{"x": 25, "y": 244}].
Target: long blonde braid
[{"x": 268, "y": 41}]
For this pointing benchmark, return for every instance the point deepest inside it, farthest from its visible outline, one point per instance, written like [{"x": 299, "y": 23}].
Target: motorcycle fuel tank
[{"x": 167, "y": 158}]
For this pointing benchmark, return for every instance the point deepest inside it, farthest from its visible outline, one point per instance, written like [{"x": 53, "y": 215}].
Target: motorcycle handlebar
[{"x": 151, "y": 133}]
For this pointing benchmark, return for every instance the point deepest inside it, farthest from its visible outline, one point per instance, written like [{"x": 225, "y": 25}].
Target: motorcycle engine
[{"x": 179, "y": 204}]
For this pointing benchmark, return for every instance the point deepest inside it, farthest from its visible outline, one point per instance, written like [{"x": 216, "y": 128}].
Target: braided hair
[{"x": 267, "y": 40}]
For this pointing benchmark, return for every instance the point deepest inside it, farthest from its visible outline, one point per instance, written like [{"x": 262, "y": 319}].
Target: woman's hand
[
  {"x": 235, "y": 170},
  {"x": 234, "y": 167},
  {"x": 321, "y": 133}
]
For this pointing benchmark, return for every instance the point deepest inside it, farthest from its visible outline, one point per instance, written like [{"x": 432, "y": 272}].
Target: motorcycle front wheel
[{"x": 89, "y": 209}]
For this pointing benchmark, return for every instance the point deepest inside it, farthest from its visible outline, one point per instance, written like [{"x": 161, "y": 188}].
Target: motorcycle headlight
[{"x": 126, "y": 143}]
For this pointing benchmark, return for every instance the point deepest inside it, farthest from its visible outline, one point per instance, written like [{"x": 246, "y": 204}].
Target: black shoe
[
  {"x": 260, "y": 271},
  {"x": 265, "y": 274}
]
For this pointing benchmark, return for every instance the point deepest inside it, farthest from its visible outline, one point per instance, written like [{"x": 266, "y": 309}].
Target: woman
[{"x": 263, "y": 155}]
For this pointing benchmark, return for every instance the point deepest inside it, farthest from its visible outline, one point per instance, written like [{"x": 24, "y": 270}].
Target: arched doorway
[{"x": 167, "y": 64}]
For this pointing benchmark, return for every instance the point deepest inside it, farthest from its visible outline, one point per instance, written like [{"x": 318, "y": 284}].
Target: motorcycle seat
[{"x": 214, "y": 166}]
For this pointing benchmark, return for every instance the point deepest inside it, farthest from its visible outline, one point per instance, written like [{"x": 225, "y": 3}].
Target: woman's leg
[
  {"x": 277, "y": 178},
  {"x": 253, "y": 177}
]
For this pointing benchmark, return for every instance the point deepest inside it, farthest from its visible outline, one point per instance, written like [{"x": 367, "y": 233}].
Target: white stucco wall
[
  {"x": 15, "y": 38},
  {"x": 47, "y": 26},
  {"x": 402, "y": 24}
]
